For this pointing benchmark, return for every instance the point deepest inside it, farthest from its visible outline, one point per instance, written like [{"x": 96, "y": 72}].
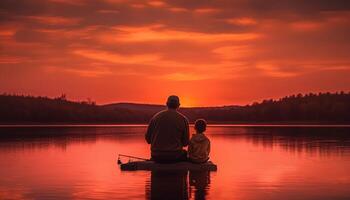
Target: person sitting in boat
[
  {"x": 199, "y": 147},
  {"x": 168, "y": 133}
]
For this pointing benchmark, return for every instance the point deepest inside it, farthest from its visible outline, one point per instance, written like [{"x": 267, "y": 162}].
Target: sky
[{"x": 222, "y": 52}]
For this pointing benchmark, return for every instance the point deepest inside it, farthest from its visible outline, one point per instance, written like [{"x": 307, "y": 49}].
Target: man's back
[{"x": 168, "y": 133}]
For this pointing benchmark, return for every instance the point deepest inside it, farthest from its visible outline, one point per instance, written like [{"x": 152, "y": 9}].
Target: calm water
[{"x": 253, "y": 163}]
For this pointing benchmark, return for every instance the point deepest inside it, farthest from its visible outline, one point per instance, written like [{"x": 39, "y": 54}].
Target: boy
[{"x": 199, "y": 146}]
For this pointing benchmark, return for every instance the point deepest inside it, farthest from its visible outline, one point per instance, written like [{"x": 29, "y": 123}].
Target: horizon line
[{"x": 157, "y": 104}]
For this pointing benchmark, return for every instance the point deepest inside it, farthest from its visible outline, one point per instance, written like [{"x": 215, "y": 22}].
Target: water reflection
[
  {"x": 24, "y": 138},
  {"x": 199, "y": 184},
  {"x": 313, "y": 140},
  {"x": 253, "y": 163},
  {"x": 177, "y": 185},
  {"x": 168, "y": 185}
]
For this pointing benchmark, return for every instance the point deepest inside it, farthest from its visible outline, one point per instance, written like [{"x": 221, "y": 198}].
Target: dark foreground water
[{"x": 253, "y": 163}]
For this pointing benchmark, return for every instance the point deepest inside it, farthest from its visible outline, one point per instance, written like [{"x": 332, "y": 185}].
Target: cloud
[
  {"x": 53, "y": 20},
  {"x": 221, "y": 71},
  {"x": 306, "y": 26},
  {"x": 75, "y": 2},
  {"x": 235, "y": 52},
  {"x": 185, "y": 77},
  {"x": 243, "y": 21},
  {"x": 156, "y": 33},
  {"x": 117, "y": 58},
  {"x": 92, "y": 72},
  {"x": 206, "y": 10},
  {"x": 11, "y": 59},
  {"x": 273, "y": 70},
  {"x": 336, "y": 68},
  {"x": 156, "y": 3},
  {"x": 155, "y": 60},
  {"x": 108, "y": 11},
  {"x": 177, "y": 9},
  {"x": 89, "y": 73},
  {"x": 7, "y": 33}
]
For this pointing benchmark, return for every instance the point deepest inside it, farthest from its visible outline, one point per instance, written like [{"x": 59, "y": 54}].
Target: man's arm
[
  {"x": 149, "y": 132},
  {"x": 186, "y": 135},
  {"x": 208, "y": 146},
  {"x": 190, "y": 148}
]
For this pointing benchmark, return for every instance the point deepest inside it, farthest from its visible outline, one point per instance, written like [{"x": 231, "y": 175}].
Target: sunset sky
[{"x": 207, "y": 52}]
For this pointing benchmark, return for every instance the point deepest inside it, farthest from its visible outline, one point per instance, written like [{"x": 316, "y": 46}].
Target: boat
[{"x": 151, "y": 166}]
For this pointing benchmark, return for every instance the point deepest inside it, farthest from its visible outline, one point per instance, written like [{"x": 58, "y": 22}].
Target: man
[{"x": 168, "y": 133}]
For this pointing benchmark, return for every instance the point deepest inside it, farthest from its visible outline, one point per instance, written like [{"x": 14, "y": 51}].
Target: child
[{"x": 199, "y": 147}]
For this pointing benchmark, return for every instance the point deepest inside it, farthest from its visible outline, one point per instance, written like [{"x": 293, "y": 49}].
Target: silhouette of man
[{"x": 168, "y": 133}]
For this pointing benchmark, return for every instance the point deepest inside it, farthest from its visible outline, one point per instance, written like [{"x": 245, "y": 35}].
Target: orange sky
[{"x": 207, "y": 52}]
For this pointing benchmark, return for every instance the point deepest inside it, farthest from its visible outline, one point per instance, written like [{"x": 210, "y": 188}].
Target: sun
[{"x": 187, "y": 102}]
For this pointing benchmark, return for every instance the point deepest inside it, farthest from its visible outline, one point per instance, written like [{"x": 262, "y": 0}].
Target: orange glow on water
[{"x": 249, "y": 167}]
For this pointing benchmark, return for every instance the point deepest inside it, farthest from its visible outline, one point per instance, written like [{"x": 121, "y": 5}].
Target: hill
[
  {"x": 145, "y": 108},
  {"x": 310, "y": 108}
]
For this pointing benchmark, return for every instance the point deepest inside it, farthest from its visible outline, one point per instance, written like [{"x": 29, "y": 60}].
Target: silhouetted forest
[{"x": 309, "y": 108}]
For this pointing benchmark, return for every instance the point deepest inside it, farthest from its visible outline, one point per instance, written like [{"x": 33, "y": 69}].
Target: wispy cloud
[
  {"x": 117, "y": 58},
  {"x": 89, "y": 72},
  {"x": 306, "y": 26},
  {"x": 12, "y": 59},
  {"x": 274, "y": 70},
  {"x": 241, "y": 52},
  {"x": 206, "y": 10},
  {"x": 157, "y": 3},
  {"x": 185, "y": 77},
  {"x": 243, "y": 21},
  {"x": 54, "y": 20},
  {"x": 156, "y": 33},
  {"x": 75, "y": 2},
  {"x": 178, "y": 9}
]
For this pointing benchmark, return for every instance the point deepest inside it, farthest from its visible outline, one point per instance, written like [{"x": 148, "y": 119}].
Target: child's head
[{"x": 200, "y": 125}]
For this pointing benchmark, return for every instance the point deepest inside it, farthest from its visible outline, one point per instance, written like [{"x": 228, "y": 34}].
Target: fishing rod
[{"x": 133, "y": 157}]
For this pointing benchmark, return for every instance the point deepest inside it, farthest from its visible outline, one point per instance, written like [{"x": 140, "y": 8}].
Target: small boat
[{"x": 151, "y": 165}]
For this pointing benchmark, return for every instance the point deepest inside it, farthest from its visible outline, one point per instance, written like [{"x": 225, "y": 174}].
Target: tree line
[
  {"x": 321, "y": 107},
  {"x": 313, "y": 108}
]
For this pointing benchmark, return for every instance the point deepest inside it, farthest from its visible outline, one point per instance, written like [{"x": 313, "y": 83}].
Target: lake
[{"x": 254, "y": 162}]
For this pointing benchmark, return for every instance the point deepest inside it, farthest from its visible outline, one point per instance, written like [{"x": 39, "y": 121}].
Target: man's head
[
  {"x": 173, "y": 102},
  {"x": 200, "y": 125}
]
